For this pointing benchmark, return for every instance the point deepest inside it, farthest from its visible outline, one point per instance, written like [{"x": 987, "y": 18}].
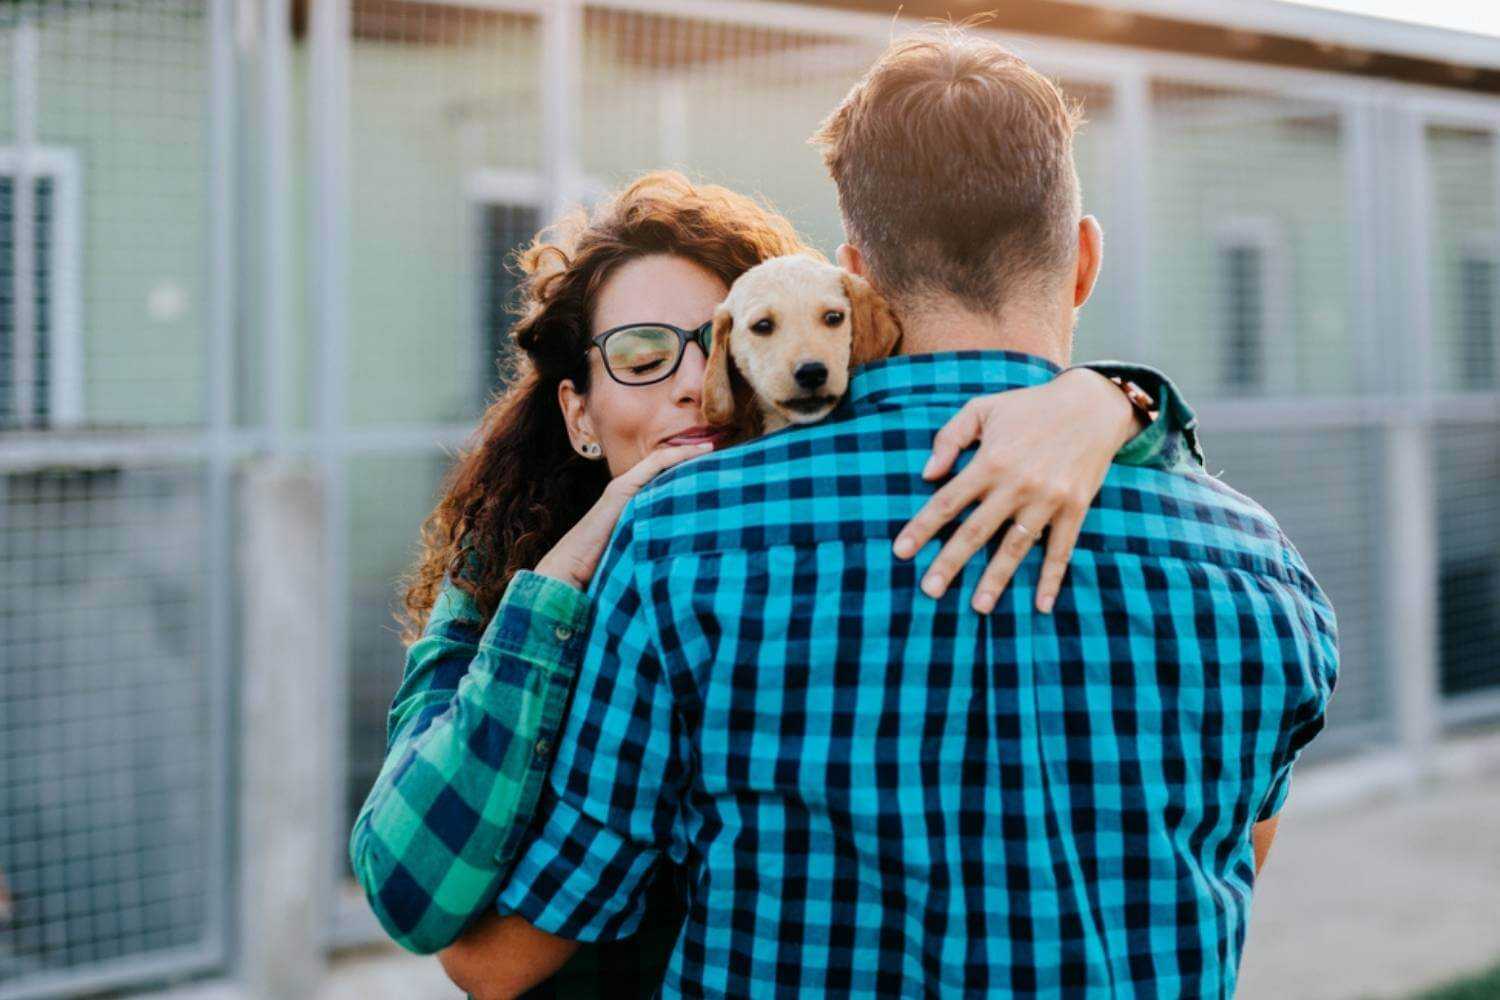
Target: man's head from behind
[{"x": 953, "y": 161}]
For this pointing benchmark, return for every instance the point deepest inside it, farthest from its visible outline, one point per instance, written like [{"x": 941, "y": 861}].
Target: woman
[{"x": 496, "y": 609}]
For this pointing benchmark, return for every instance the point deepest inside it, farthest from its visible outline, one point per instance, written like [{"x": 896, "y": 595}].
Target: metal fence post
[
  {"x": 562, "y": 68},
  {"x": 24, "y": 107},
  {"x": 1133, "y": 196},
  {"x": 1410, "y": 511},
  {"x": 221, "y": 395},
  {"x": 286, "y": 694},
  {"x": 327, "y": 254},
  {"x": 1411, "y": 573}
]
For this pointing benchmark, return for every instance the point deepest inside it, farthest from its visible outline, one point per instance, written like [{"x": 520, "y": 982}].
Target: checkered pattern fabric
[
  {"x": 878, "y": 793},
  {"x": 467, "y": 739}
]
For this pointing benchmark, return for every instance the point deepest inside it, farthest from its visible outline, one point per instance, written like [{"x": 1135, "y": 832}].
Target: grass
[{"x": 1480, "y": 986}]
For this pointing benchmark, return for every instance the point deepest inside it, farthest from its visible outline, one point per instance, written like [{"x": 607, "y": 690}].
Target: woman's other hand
[
  {"x": 1043, "y": 453},
  {"x": 576, "y": 555}
]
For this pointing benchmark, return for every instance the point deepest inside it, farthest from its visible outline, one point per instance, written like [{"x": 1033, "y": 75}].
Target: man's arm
[
  {"x": 502, "y": 957},
  {"x": 1261, "y": 835}
]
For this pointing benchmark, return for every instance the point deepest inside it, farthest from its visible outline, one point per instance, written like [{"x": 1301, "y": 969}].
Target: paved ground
[
  {"x": 1380, "y": 900},
  {"x": 1365, "y": 894}
]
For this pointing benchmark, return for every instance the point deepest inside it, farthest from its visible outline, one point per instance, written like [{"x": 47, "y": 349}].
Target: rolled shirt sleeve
[
  {"x": 1172, "y": 437},
  {"x": 610, "y": 806},
  {"x": 1318, "y": 655},
  {"x": 1281, "y": 784}
]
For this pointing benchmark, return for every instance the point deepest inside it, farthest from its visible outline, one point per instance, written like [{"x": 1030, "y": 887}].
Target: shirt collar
[{"x": 960, "y": 375}]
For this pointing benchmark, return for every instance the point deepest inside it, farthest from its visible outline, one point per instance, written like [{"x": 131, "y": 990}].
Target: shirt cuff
[
  {"x": 579, "y": 879},
  {"x": 540, "y": 619},
  {"x": 1172, "y": 412},
  {"x": 450, "y": 605},
  {"x": 1276, "y": 795}
]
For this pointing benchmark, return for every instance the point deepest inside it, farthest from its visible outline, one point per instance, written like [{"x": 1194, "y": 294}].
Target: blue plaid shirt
[{"x": 878, "y": 793}]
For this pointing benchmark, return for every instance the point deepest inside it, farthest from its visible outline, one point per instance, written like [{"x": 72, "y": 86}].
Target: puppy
[{"x": 784, "y": 340}]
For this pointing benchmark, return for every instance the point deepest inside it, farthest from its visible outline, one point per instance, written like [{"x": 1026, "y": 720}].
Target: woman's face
[{"x": 628, "y": 421}]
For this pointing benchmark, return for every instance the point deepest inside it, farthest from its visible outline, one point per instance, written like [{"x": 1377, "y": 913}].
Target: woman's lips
[{"x": 696, "y": 435}]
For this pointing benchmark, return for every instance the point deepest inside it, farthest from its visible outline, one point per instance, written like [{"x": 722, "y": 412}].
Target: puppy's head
[{"x": 789, "y": 331}]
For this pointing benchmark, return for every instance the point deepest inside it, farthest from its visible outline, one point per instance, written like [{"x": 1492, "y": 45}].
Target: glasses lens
[
  {"x": 706, "y": 338},
  {"x": 640, "y": 353}
]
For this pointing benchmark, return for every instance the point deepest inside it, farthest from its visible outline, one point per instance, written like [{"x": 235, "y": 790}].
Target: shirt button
[
  {"x": 563, "y": 632},
  {"x": 543, "y": 747}
]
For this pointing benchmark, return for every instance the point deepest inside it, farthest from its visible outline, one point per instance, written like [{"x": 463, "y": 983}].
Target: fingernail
[
  {"x": 927, "y": 469},
  {"x": 705, "y": 445},
  {"x": 1044, "y": 604},
  {"x": 932, "y": 585},
  {"x": 903, "y": 546},
  {"x": 984, "y": 601}
]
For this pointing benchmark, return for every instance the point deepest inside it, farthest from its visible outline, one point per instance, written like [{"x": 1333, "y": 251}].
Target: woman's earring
[{"x": 592, "y": 449}]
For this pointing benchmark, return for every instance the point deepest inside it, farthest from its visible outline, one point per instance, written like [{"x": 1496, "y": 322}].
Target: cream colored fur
[{"x": 784, "y": 313}]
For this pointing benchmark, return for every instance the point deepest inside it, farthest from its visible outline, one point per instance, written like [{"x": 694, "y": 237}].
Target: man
[{"x": 879, "y": 793}]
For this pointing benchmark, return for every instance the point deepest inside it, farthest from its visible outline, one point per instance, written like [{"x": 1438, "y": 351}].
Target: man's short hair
[{"x": 953, "y": 160}]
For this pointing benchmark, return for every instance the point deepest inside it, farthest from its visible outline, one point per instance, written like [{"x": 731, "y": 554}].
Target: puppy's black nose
[{"x": 811, "y": 374}]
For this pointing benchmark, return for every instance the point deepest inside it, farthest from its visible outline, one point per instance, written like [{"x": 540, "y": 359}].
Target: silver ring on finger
[{"x": 1024, "y": 530}]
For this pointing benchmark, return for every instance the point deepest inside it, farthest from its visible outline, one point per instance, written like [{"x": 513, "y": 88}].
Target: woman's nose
[{"x": 688, "y": 382}]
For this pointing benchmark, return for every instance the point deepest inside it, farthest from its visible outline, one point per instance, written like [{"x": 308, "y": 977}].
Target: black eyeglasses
[{"x": 645, "y": 353}]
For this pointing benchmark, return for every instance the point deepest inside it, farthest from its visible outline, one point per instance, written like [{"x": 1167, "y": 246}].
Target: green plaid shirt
[
  {"x": 467, "y": 748},
  {"x": 470, "y": 736}
]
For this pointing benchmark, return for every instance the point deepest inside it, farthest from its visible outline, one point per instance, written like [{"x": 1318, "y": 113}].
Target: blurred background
[{"x": 253, "y": 293}]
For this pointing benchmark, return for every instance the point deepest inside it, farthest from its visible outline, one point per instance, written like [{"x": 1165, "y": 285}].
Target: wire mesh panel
[
  {"x": 111, "y": 796},
  {"x": 104, "y": 734},
  {"x": 1463, "y": 219},
  {"x": 729, "y": 103},
  {"x": 1464, "y": 223},
  {"x": 1468, "y": 507},
  {"x": 1251, "y": 265},
  {"x": 445, "y": 158},
  {"x": 111, "y": 112}
]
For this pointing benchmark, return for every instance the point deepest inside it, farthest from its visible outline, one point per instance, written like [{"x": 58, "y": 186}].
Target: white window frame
[
  {"x": 496, "y": 185},
  {"x": 65, "y": 378},
  {"x": 1279, "y": 346}
]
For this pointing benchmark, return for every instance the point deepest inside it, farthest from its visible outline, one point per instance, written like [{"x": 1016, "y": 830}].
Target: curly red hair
[{"x": 507, "y": 500}]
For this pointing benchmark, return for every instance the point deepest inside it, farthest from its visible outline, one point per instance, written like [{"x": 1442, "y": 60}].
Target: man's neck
[{"x": 928, "y": 329}]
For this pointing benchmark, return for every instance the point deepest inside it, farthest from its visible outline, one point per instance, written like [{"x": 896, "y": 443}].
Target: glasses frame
[{"x": 699, "y": 335}]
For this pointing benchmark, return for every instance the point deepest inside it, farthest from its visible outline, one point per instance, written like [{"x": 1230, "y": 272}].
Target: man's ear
[
  {"x": 875, "y": 331},
  {"x": 850, "y": 259},
  {"x": 1090, "y": 255},
  {"x": 718, "y": 393}
]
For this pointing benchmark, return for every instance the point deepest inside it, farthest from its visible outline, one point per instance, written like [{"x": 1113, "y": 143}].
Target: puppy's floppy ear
[
  {"x": 718, "y": 393},
  {"x": 876, "y": 331}
]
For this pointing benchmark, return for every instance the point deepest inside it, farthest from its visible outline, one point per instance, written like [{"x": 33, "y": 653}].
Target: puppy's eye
[
  {"x": 833, "y": 317},
  {"x": 763, "y": 325}
]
